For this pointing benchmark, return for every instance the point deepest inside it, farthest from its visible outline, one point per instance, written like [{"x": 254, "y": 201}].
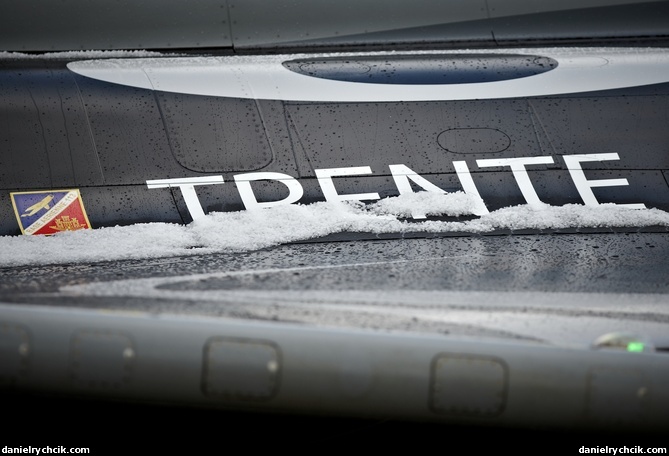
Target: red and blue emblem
[{"x": 50, "y": 212}]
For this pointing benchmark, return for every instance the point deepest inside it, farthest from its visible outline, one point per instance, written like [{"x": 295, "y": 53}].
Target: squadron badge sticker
[{"x": 49, "y": 212}]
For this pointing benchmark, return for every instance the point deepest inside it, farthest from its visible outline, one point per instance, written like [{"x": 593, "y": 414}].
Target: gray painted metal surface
[
  {"x": 492, "y": 330},
  {"x": 263, "y": 366},
  {"x": 475, "y": 331},
  {"x": 81, "y": 25},
  {"x": 257, "y": 24},
  {"x": 66, "y": 129}
]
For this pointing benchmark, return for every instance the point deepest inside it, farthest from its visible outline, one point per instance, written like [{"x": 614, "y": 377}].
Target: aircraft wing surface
[
  {"x": 546, "y": 332},
  {"x": 321, "y": 222}
]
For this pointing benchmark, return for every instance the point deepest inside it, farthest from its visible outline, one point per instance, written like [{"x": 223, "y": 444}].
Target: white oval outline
[{"x": 264, "y": 77}]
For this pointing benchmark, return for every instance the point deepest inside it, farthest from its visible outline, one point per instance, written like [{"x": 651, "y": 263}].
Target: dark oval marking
[
  {"x": 474, "y": 140},
  {"x": 424, "y": 69},
  {"x": 317, "y": 68}
]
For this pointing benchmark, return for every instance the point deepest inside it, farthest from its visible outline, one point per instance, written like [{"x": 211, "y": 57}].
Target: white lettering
[
  {"x": 187, "y": 187},
  {"x": 330, "y": 192},
  {"x": 243, "y": 181},
  {"x": 402, "y": 174},
  {"x": 584, "y": 186},
  {"x": 517, "y": 166},
  {"x": 469, "y": 187}
]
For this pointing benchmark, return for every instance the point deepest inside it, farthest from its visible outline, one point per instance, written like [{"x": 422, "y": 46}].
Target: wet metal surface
[{"x": 561, "y": 288}]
